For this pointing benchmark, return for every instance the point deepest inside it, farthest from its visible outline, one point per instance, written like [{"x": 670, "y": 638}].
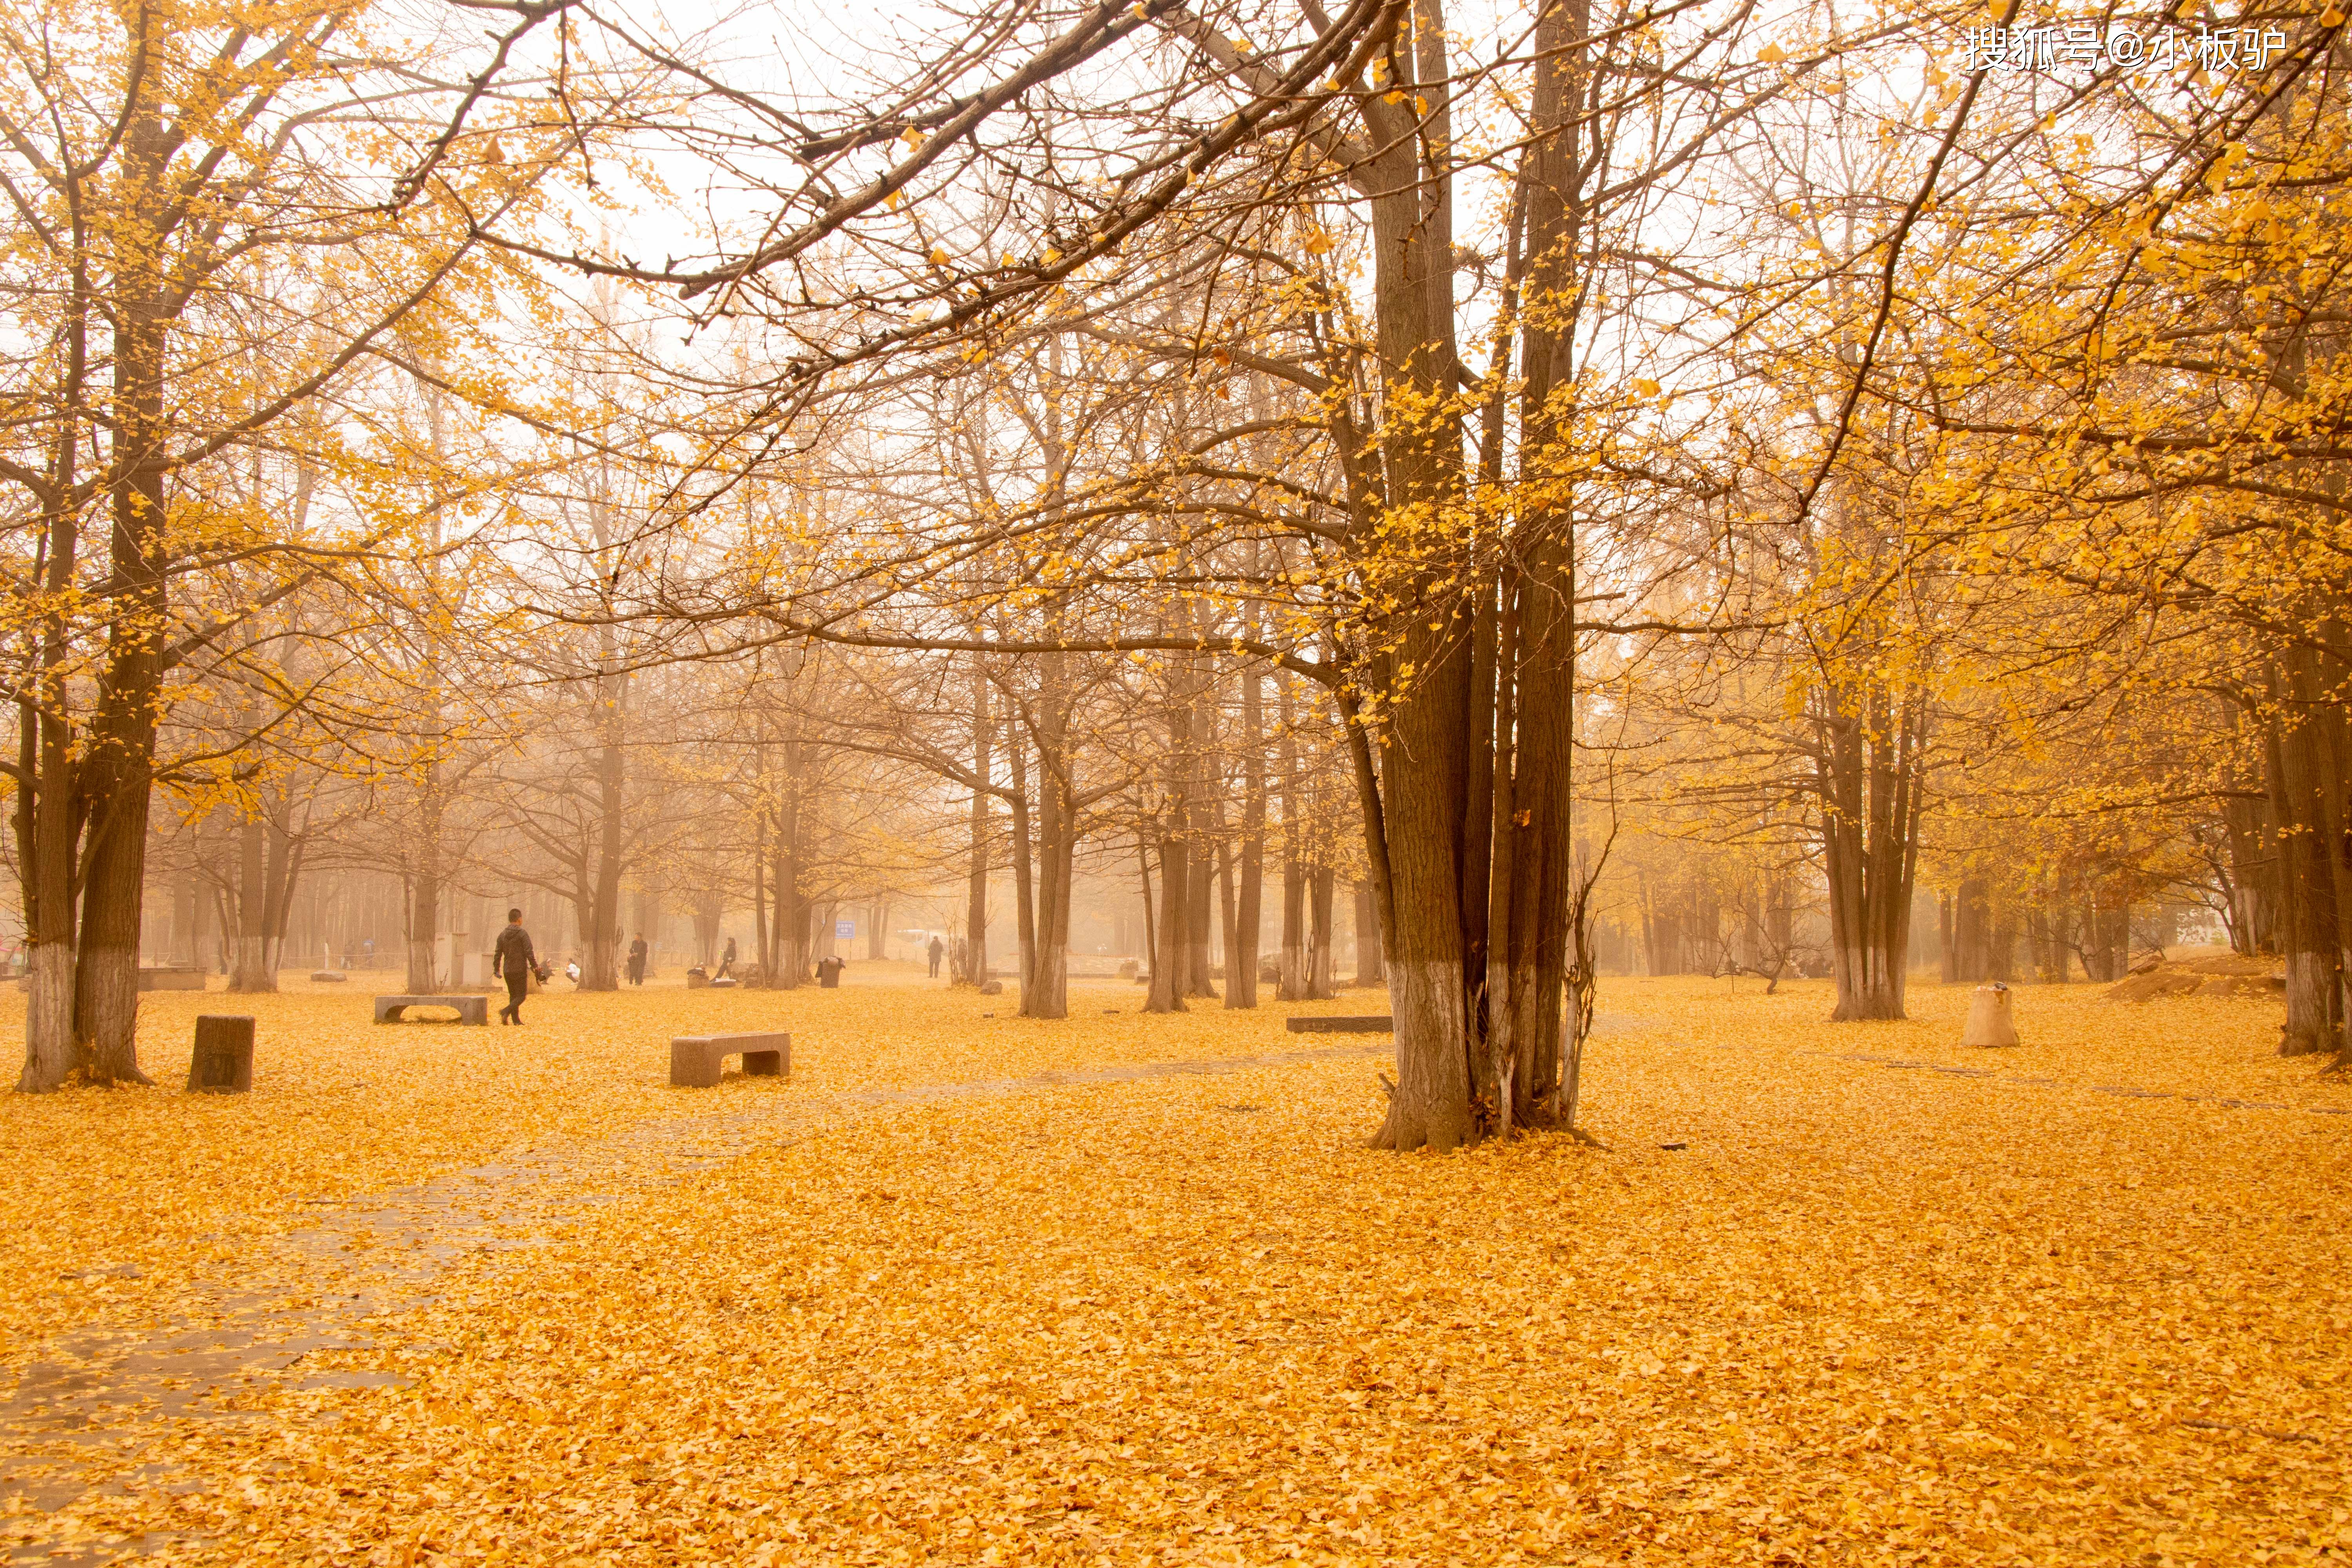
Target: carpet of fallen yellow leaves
[{"x": 1884, "y": 1301}]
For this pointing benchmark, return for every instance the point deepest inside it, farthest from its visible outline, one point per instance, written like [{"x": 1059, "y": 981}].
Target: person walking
[
  {"x": 726, "y": 961},
  {"x": 637, "y": 959},
  {"x": 937, "y": 950},
  {"x": 513, "y": 958}
]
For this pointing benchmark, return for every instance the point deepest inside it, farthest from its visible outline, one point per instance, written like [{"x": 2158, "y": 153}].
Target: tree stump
[
  {"x": 221, "y": 1062},
  {"x": 1990, "y": 1021}
]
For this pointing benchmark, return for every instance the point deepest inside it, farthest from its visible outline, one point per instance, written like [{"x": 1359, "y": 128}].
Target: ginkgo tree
[{"x": 220, "y": 212}]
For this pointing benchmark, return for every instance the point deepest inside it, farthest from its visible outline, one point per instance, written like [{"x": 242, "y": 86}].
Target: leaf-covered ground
[{"x": 1892, "y": 1302}]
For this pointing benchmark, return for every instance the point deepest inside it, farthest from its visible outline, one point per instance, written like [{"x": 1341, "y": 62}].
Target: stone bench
[
  {"x": 469, "y": 1009},
  {"x": 695, "y": 1060},
  {"x": 1343, "y": 1023}
]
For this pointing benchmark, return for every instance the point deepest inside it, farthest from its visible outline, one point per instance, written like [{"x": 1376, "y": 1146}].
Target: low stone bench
[
  {"x": 469, "y": 1009},
  {"x": 695, "y": 1060},
  {"x": 1343, "y": 1023}
]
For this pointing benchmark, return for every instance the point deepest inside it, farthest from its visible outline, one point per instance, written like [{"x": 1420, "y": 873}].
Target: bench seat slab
[{"x": 698, "y": 1061}]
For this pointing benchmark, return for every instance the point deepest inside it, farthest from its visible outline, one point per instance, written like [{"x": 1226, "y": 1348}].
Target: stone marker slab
[
  {"x": 1992, "y": 1021},
  {"x": 1344, "y": 1023},
  {"x": 221, "y": 1062},
  {"x": 469, "y": 1009},
  {"x": 695, "y": 1060}
]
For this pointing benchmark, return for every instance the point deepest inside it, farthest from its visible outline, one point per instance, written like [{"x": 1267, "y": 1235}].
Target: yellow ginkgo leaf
[{"x": 1772, "y": 54}]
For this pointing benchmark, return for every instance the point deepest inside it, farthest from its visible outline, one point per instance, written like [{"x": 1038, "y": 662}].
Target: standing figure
[
  {"x": 513, "y": 958},
  {"x": 637, "y": 959},
  {"x": 726, "y": 961},
  {"x": 937, "y": 950}
]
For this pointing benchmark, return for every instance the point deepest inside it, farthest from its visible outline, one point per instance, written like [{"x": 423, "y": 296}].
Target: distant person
[
  {"x": 828, "y": 971},
  {"x": 571, "y": 971},
  {"x": 726, "y": 961},
  {"x": 637, "y": 959},
  {"x": 514, "y": 959},
  {"x": 937, "y": 950}
]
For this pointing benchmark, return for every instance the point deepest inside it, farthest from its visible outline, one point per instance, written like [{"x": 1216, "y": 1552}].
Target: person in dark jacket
[
  {"x": 514, "y": 958},
  {"x": 937, "y": 951},
  {"x": 637, "y": 959},
  {"x": 726, "y": 961}
]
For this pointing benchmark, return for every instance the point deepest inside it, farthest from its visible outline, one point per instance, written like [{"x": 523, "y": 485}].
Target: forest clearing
[
  {"x": 1386, "y": 782},
  {"x": 1887, "y": 1300}
]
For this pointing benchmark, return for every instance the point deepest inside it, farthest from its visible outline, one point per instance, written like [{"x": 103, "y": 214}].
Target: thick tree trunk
[
  {"x": 1025, "y": 887},
  {"x": 285, "y": 872},
  {"x": 1425, "y": 769},
  {"x": 1547, "y": 913},
  {"x": 1972, "y": 931},
  {"x": 2253, "y": 855},
  {"x": 119, "y": 772},
  {"x": 252, "y": 971},
  {"x": 1368, "y": 936},
  {"x": 1321, "y": 982},
  {"x": 1532, "y": 916},
  {"x": 1172, "y": 953},
  {"x": 791, "y": 916},
  {"x": 1422, "y": 768},
  {"x": 50, "y": 806},
  {"x": 1249, "y": 873},
  {"x": 1024, "y": 867},
  {"x": 1166, "y": 993},
  {"x": 1200, "y": 898},
  {"x": 1045, "y": 992},
  {"x": 1151, "y": 932},
  {"x": 2298, "y": 746},
  {"x": 764, "y": 928},
  {"x": 1867, "y": 764},
  {"x": 1291, "y": 963},
  {"x": 975, "y": 912},
  {"x": 423, "y": 925},
  {"x": 600, "y": 935}
]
